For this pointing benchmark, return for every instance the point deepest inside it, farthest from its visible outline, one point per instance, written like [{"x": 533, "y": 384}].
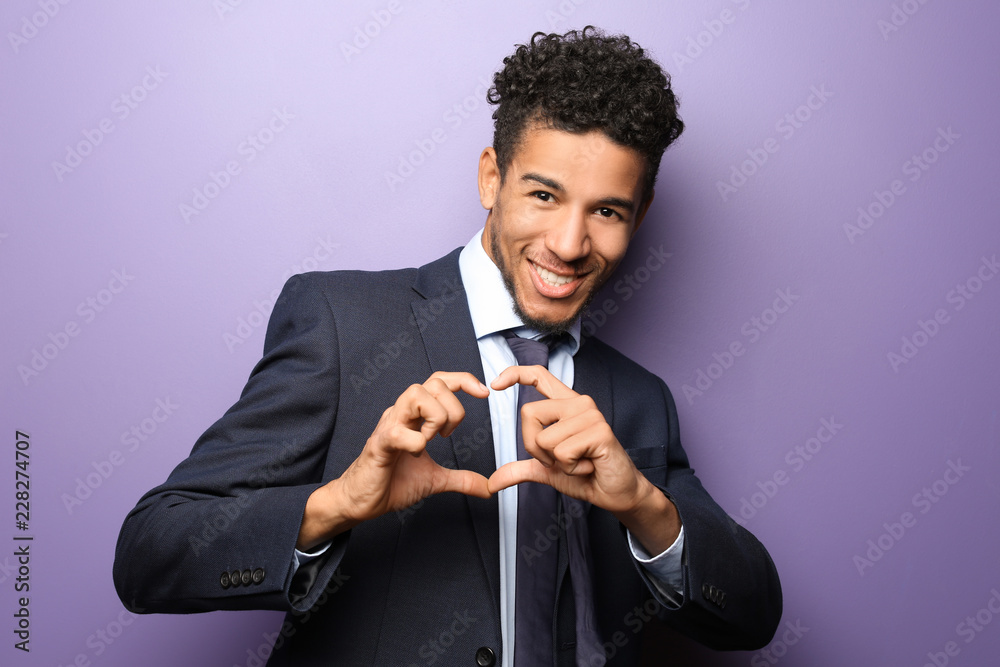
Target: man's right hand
[{"x": 394, "y": 470}]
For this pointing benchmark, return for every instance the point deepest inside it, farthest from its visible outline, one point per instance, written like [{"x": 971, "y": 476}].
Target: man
[{"x": 442, "y": 528}]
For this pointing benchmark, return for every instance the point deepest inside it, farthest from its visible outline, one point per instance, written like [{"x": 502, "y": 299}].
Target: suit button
[
  {"x": 224, "y": 580},
  {"x": 246, "y": 577},
  {"x": 234, "y": 578},
  {"x": 258, "y": 575},
  {"x": 485, "y": 657}
]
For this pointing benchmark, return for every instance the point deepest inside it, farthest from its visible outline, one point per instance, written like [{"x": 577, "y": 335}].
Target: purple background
[{"x": 317, "y": 196}]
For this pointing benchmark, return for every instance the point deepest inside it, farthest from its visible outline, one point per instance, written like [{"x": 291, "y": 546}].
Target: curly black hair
[{"x": 581, "y": 81}]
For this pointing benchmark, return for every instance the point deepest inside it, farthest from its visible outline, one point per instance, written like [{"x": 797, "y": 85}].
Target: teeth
[{"x": 553, "y": 279}]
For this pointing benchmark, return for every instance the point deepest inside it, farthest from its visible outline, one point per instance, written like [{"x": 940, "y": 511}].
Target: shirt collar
[{"x": 490, "y": 304}]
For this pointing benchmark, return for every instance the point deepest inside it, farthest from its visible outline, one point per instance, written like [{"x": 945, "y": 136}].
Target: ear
[
  {"x": 642, "y": 212},
  {"x": 489, "y": 178}
]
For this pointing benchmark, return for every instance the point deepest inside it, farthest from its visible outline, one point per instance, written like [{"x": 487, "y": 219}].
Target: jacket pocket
[{"x": 648, "y": 458}]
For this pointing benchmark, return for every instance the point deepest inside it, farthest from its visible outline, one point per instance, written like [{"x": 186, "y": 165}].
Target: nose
[{"x": 569, "y": 238}]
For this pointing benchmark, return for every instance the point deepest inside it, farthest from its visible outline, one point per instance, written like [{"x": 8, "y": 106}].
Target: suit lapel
[
  {"x": 591, "y": 377},
  {"x": 442, "y": 315}
]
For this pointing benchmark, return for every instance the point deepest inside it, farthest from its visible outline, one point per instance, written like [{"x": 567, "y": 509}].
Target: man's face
[{"x": 561, "y": 221}]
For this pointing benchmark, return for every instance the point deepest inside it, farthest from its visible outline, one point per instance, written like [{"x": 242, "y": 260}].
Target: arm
[
  {"x": 576, "y": 452},
  {"x": 252, "y": 490},
  {"x": 718, "y": 553},
  {"x": 237, "y": 501}
]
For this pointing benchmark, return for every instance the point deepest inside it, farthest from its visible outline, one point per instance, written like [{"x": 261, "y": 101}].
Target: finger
[
  {"x": 417, "y": 406},
  {"x": 515, "y": 472},
  {"x": 576, "y": 455},
  {"x": 538, "y": 376},
  {"x": 570, "y": 452},
  {"x": 460, "y": 380},
  {"x": 531, "y": 428},
  {"x": 540, "y": 417},
  {"x": 462, "y": 481},
  {"x": 442, "y": 385},
  {"x": 449, "y": 401},
  {"x": 394, "y": 439},
  {"x": 558, "y": 431}
]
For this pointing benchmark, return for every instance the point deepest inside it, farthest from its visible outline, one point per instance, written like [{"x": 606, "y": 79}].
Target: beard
[{"x": 539, "y": 325}]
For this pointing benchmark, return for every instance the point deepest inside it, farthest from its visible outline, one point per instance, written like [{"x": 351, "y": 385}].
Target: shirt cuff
[
  {"x": 665, "y": 570},
  {"x": 300, "y": 558}
]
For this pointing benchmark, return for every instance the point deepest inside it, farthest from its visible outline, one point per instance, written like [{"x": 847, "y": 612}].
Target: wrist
[
  {"x": 325, "y": 516},
  {"x": 647, "y": 501},
  {"x": 653, "y": 519}
]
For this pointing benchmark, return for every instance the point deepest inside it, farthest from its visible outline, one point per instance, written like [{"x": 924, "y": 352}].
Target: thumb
[
  {"x": 461, "y": 481},
  {"x": 515, "y": 472}
]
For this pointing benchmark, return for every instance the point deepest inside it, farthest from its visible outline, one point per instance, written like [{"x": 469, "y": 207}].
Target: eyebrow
[
  {"x": 538, "y": 178},
  {"x": 627, "y": 204}
]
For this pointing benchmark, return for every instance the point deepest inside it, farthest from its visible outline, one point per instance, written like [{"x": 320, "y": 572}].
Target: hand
[
  {"x": 394, "y": 470},
  {"x": 575, "y": 451}
]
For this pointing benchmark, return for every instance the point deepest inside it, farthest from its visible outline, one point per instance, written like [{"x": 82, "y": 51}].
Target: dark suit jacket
[{"x": 419, "y": 586}]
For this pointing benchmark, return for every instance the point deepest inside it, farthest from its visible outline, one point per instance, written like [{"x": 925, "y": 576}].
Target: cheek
[
  {"x": 522, "y": 226},
  {"x": 611, "y": 245},
  {"x": 527, "y": 216}
]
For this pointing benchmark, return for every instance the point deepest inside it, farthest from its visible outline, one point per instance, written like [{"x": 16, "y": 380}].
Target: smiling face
[{"x": 561, "y": 219}]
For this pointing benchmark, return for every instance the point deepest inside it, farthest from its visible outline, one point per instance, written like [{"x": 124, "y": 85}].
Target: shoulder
[
  {"x": 352, "y": 305},
  {"x": 349, "y": 288},
  {"x": 336, "y": 286},
  {"x": 360, "y": 305}
]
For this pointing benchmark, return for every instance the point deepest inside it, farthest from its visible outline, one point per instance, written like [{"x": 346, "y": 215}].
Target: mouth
[{"x": 554, "y": 285}]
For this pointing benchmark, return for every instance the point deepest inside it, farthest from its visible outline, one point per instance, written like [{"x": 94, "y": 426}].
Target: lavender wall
[{"x": 828, "y": 316}]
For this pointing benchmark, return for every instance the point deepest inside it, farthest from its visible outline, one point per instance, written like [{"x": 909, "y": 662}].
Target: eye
[
  {"x": 606, "y": 212},
  {"x": 542, "y": 195}
]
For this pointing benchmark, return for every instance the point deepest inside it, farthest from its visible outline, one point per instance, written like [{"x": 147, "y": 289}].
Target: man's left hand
[{"x": 575, "y": 451}]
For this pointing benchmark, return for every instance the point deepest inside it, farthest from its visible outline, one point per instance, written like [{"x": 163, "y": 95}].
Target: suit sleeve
[
  {"x": 732, "y": 595},
  {"x": 220, "y": 533}
]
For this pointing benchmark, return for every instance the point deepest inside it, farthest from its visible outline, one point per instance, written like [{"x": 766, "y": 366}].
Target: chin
[{"x": 549, "y": 325}]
